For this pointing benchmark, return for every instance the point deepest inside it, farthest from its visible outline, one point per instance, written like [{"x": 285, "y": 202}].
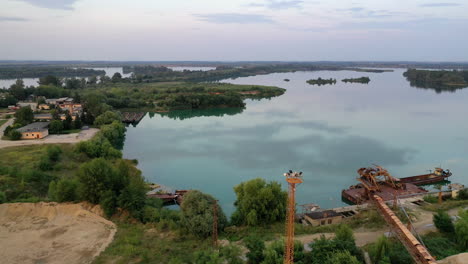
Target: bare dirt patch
[{"x": 53, "y": 233}]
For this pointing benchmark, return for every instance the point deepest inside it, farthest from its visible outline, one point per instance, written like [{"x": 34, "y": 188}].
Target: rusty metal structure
[
  {"x": 374, "y": 177},
  {"x": 292, "y": 178},
  {"x": 417, "y": 250},
  {"x": 215, "y": 223},
  {"x": 377, "y": 180}
]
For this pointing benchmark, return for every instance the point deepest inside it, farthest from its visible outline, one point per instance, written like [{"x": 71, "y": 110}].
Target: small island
[
  {"x": 365, "y": 80},
  {"x": 439, "y": 80},
  {"x": 321, "y": 81}
]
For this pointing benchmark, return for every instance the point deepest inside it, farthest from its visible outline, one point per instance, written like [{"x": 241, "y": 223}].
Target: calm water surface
[{"x": 328, "y": 132}]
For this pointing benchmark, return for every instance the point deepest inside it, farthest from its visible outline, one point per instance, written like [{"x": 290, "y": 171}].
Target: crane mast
[{"x": 292, "y": 178}]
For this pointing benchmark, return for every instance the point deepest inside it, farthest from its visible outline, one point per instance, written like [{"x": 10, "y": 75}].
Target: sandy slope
[{"x": 52, "y": 233}]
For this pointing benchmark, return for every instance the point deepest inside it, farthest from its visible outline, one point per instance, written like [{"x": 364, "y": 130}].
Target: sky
[{"x": 234, "y": 30}]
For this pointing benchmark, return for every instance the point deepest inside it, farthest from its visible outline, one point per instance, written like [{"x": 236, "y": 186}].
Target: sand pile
[
  {"x": 456, "y": 259},
  {"x": 52, "y": 233}
]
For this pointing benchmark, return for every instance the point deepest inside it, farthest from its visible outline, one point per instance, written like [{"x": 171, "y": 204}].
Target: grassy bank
[
  {"x": 2, "y": 122},
  {"x": 139, "y": 243}
]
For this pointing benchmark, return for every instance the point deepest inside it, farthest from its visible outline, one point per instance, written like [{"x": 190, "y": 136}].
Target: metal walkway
[{"x": 415, "y": 248}]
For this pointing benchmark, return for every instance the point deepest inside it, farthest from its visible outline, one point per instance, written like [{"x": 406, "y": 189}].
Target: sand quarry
[{"x": 52, "y": 233}]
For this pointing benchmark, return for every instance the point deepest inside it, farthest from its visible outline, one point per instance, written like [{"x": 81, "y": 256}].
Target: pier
[{"x": 132, "y": 117}]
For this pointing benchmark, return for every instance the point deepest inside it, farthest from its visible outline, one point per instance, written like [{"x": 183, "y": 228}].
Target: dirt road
[
  {"x": 51, "y": 139},
  {"x": 52, "y": 233},
  {"x": 364, "y": 236}
]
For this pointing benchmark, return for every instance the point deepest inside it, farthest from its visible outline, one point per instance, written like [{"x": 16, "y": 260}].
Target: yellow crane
[{"x": 292, "y": 178}]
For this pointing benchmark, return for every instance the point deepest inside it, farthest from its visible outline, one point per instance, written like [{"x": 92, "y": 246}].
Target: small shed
[
  {"x": 35, "y": 130},
  {"x": 325, "y": 217}
]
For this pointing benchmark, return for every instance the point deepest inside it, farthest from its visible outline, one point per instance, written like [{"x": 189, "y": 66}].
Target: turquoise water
[{"x": 328, "y": 132}]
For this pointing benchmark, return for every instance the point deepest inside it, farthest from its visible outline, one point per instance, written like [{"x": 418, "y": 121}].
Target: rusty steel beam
[{"x": 417, "y": 251}]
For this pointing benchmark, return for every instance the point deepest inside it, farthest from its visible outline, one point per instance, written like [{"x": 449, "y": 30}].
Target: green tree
[
  {"x": 207, "y": 257},
  {"x": 51, "y": 193},
  {"x": 45, "y": 164},
  {"x": 343, "y": 257},
  {"x": 461, "y": 229},
  {"x": 15, "y": 134},
  {"x": 77, "y": 124},
  {"x": 109, "y": 203},
  {"x": 107, "y": 118},
  {"x": 115, "y": 133},
  {"x": 443, "y": 222},
  {"x": 66, "y": 190},
  {"x": 274, "y": 253},
  {"x": 95, "y": 178},
  {"x": 94, "y": 104},
  {"x": 68, "y": 122},
  {"x": 17, "y": 90},
  {"x": 231, "y": 254},
  {"x": 133, "y": 196},
  {"x": 8, "y": 100},
  {"x": 53, "y": 153},
  {"x": 92, "y": 80},
  {"x": 50, "y": 80},
  {"x": 3, "y": 198},
  {"x": 55, "y": 127},
  {"x": 56, "y": 114},
  {"x": 24, "y": 116},
  {"x": 256, "y": 246},
  {"x": 259, "y": 202},
  {"x": 197, "y": 214},
  {"x": 117, "y": 77}
]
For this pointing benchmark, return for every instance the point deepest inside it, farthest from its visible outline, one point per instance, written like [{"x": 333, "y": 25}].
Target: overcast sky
[{"x": 234, "y": 30}]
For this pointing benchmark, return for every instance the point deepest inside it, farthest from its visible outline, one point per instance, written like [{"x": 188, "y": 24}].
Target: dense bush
[
  {"x": 259, "y": 203},
  {"x": 443, "y": 222},
  {"x": 461, "y": 230},
  {"x": 24, "y": 116},
  {"x": 112, "y": 186},
  {"x": 114, "y": 132},
  {"x": 98, "y": 147},
  {"x": 55, "y": 127},
  {"x": 197, "y": 214},
  {"x": 430, "y": 199},
  {"x": 256, "y": 246},
  {"x": 107, "y": 118},
  {"x": 53, "y": 153},
  {"x": 14, "y": 134}
]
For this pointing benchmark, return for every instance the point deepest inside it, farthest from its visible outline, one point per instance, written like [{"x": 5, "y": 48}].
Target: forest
[
  {"x": 38, "y": 72},
  {"x": 437, "y": 80},
  {"x": 319, "y": 81},
  {"x": 365, "y": 80}
]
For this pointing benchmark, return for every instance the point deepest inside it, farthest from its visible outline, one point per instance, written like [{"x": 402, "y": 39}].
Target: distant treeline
[
  {"x": 164, "y": 74},
  {"x": 438, "y": 80},
  {"x": 187, "y": 114},
  {"x": 357, "y": 80},
  {"x": 38, "y": 72},
  {"x": 321, "y": 81}
]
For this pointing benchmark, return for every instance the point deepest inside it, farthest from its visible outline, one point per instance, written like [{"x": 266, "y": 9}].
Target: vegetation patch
[{"x": 321, "y": 81}]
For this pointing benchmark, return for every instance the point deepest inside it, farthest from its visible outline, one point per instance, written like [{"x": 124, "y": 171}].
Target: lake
[{"x": 328, "y": 132}]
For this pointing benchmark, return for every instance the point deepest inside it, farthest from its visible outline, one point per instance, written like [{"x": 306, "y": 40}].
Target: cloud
[
  {"x": 52, "y": 4},
  {"x": 5, "y": 18},
  {"x": 279, "y": 5},
  {"x": 440, "y": 4},
  {"x": 361, "y": 12},
  {"x": 234, "y": 18}
]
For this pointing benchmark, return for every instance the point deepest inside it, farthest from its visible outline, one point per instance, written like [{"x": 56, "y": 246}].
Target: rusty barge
[
  {"x": 439, "y": 175},
  {"x": 170, "y": 198},
  {"x": 377, "y": 181}
]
